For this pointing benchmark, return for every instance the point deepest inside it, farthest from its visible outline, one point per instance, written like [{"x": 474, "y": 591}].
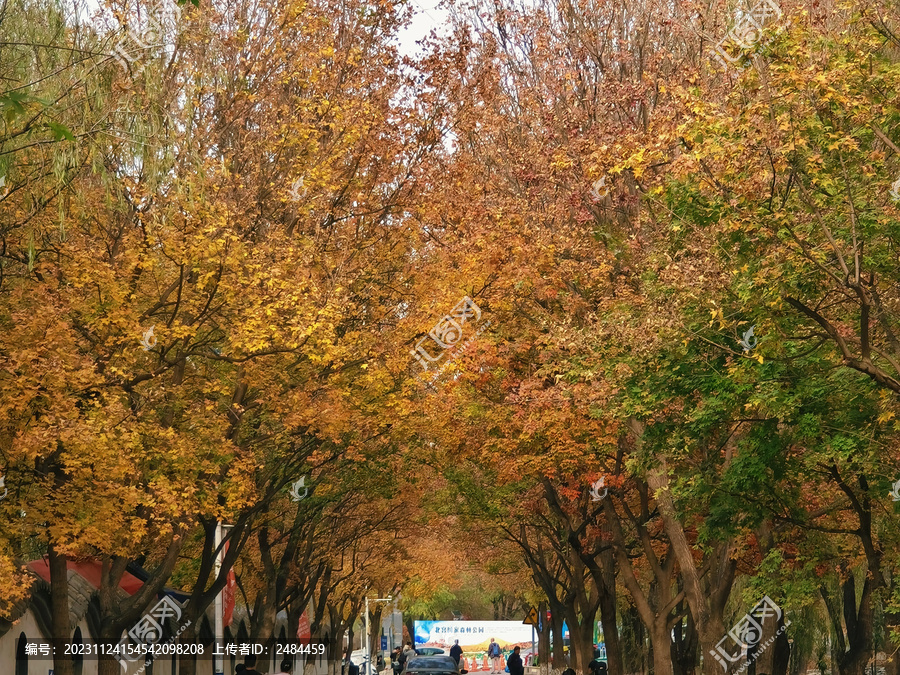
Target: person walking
[
  {"x": 408, "y": 653},
  {"x": 456, "y": 652},
  {"x": 514, "y": 663},
  {"x": 396, "y": 666},
  {"x": 494, "y": 655}
]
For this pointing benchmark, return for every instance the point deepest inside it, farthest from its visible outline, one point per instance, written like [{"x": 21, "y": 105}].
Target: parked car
[
  {"x": 432, "y": 665},
  {"x": 430, "y": 651}
]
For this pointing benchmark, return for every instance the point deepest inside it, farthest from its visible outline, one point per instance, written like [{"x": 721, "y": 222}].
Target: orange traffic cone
[
  {"x": 502, "y": 662},
  {"x": 474, "y": 664},
  {"x": 486, "y": 662}
]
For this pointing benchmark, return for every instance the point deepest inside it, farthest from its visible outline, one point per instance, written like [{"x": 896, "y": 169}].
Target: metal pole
[
  {"x": 219, "y": 666},
  {"x": 531, "y": 662},
  {"x": 366, "y": 638}
]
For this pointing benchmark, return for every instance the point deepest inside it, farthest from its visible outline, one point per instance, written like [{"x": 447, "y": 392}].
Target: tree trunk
[
  {"x": 655, "y": 606},
  {"x": 187, "y": 663},
  {"x": 374, "y": 636},
  {"x": 762, "y": 663},
  {"x": 59, "y": 607},
  {"x": 851, "y": 655},
  {"x": 859, "y": 629},
  {"x": 610, "y": 628},
  {"x": 411, "y": 631},
  {"x": 638, "y": 658},
  {"x": 685, "y": 645},
  {"x": 558, "y": 658},
  {"x": 581, "y": 643},
  {"x": 108, "y": 665},
  {"x": 543, "y": 640},
  {"x": 781, "y": 653},
  {"x": 706, "y": 604},
  {"x": 661, "y": 641}
]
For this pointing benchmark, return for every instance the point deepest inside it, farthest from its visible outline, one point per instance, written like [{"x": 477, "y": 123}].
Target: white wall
[{"x": 43, "y": 665}]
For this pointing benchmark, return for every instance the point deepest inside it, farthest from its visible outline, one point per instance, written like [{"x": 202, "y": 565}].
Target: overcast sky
[{"x": 427, "y": 16}]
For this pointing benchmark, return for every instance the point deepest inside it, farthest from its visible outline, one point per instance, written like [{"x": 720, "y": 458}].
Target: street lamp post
[{"x": 368, "y": 657}]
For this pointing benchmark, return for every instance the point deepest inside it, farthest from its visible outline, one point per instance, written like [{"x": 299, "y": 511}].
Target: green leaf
[
  {"x": 13, "y": 103},
  {"x": 60, "y": 131}
]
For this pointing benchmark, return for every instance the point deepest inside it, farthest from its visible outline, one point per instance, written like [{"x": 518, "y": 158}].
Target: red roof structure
[{"x": 89, "y": 570}]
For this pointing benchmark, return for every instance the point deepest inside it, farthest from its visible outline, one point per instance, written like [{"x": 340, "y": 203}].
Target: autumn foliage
[{"x": 656, "y": 292}]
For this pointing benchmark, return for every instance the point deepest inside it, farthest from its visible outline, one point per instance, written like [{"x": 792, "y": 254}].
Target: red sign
[
  {"x": 303, "y": 627},
  {"x": 228, "y": 595},
  {"x": 228, "y": 599}
]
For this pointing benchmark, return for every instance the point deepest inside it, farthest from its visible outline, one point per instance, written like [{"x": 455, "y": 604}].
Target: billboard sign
[{"x": 473, "y": 636}]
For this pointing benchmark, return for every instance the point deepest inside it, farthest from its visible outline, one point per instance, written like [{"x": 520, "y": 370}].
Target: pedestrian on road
[
  {"x": 408, "y": 653},
  {"x": 494, "y": 654},
  {"x": 396, "y": 666},
  {"x": 456, "y": 652},
  {"x": 250, "y": 662},
  {"x": 286, "y": 667},
  {"x": 514, "y": 663}
]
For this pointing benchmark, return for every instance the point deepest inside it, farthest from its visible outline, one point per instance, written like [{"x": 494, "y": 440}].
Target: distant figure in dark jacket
[
  {"x": 456, "y": 652},
  {"x": 514, "y": 663}
]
